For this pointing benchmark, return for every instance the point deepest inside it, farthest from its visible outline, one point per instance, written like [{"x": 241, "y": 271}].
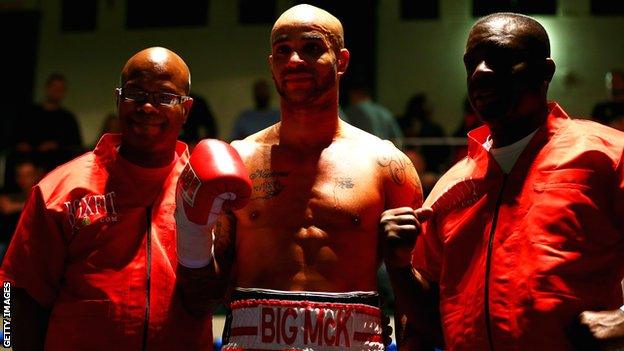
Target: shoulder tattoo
[{"x": 395, "y": 165}]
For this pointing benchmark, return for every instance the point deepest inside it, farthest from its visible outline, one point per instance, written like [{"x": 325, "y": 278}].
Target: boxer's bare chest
[
  {"x": 311, "y": 216},
  {"x": 337, "y": 188}
]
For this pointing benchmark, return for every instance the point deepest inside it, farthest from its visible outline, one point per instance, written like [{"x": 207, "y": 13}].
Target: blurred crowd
[{"x": 46, "y": 134}]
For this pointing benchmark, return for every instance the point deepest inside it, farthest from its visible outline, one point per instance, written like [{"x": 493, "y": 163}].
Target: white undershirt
[{"x": 507, "y": 156}]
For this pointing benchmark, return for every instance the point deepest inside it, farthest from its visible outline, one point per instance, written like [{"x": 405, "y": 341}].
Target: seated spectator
[
  {"x": 258, "y": 118},
  {"x": 27, "y": 174}
]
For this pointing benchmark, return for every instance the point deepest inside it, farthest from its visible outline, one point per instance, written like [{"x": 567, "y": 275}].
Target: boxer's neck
[{"x": 309, "y": 127}]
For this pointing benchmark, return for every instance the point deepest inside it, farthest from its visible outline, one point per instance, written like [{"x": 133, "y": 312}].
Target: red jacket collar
[{"x": 478, "y": 136}]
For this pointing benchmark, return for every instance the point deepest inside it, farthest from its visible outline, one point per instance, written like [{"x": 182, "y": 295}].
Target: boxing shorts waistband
[{"x": 263, "y": 319}]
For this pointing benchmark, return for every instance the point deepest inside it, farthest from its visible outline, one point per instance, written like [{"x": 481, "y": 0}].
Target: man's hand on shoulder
[
  {"x": 605, "y": 326},
  {"x": 400, "y": 228}
]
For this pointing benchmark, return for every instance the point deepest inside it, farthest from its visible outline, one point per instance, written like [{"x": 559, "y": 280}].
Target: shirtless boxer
[{"x": 307, "y": 247}]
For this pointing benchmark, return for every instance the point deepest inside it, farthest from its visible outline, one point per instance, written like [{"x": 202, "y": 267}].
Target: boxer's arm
[
  {"x": 402, "y": 194},
  {"x": 400, "y": 225},
  {"x": 418, "y": 300},
  {"x": 29, "y": 322},
  {"x": 202, "y": 289},
  {"x": 415, "y": 296}
]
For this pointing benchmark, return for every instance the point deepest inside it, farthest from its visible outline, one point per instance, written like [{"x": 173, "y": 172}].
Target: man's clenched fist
[{"x": 400, "y": 227}]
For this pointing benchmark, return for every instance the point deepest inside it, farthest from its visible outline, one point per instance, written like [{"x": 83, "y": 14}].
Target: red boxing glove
[
  {"x": 215, "y": 172},
  {"x": 214, "y": 179}
]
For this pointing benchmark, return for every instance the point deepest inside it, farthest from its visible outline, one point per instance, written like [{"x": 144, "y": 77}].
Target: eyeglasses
[{"x": 140, "y": 97}]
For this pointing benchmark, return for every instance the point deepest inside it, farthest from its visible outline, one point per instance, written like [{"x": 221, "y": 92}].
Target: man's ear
[
  {"x": 186, "y": 107},
  {"x": 549, "y": 69},
  {"x": 343, "y": 61}
]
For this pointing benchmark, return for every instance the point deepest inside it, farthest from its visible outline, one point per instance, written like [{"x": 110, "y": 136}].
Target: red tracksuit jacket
[
  {"x": 518, "y": 257},
  {"x": 96, "y": 245}
]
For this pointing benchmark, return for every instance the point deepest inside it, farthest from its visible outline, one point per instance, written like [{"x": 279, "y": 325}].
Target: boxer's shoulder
[
  {"x": 370, "y": 144},
  {"x": 389, "y": 156},
  {"x": 253, "y": 153},
  {"x": 402, "y": 184}
]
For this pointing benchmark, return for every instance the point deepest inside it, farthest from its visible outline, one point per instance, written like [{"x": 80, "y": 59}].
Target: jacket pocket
[{"x": 571, "y": 178}]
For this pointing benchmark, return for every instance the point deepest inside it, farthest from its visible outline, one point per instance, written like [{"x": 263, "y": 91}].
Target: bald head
[
  {"x": 311, "y": 16},
  {"x": 158, "y": 62},
  {"x": 531, "y": 32}
]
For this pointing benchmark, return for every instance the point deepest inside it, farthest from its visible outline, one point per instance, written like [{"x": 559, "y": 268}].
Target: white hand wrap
[{"x": 195, "y": 241}]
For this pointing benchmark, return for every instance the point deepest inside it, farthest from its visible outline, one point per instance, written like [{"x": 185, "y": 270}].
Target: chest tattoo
[{"x": 266, "y": 183}]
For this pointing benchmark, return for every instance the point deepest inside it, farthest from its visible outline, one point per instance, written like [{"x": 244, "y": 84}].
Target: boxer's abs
[{"x": 309, "y": 259}]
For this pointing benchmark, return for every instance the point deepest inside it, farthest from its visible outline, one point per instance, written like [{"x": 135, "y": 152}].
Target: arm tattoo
[{"x": 395, "y": 166}]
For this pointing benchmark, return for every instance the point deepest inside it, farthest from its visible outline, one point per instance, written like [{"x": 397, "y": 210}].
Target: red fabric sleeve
[
  {"x": 427, "y": 255},
  {"x": 36, "y": 255}
]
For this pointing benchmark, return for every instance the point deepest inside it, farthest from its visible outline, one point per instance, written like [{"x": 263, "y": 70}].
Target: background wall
[
  {"x": 426, "y": 56},
  {"x": 225, "y": 57}
]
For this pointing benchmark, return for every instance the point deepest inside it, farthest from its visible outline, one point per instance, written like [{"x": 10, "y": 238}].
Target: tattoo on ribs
[
  {"x": 395, "y": 166},
  {"x": 266, "y": 183}
]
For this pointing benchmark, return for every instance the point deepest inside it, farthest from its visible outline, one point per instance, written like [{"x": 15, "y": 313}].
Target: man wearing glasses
[{"x": 93, "y": 260}]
